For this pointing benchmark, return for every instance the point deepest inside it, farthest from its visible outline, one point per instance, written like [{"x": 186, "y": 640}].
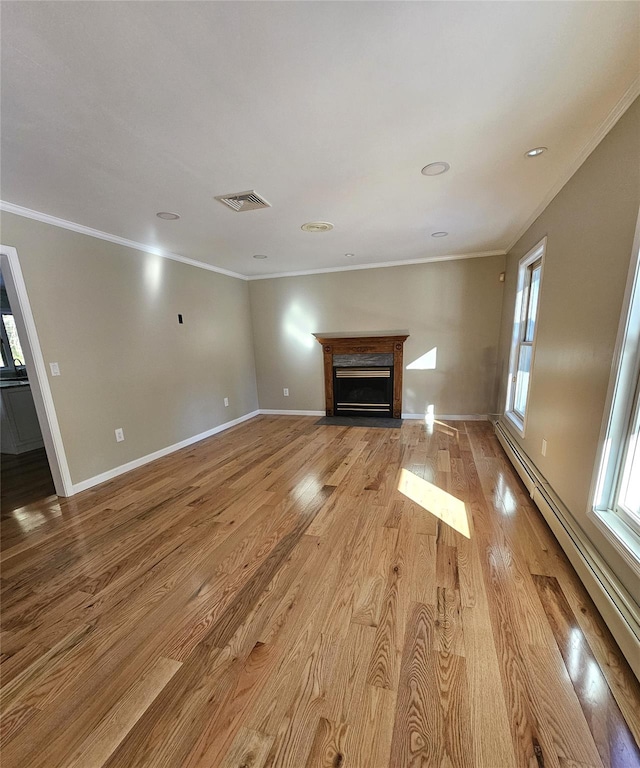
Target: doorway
[
  {"x": 33, "y": 463},
  {"x": 25, "y": 475}
]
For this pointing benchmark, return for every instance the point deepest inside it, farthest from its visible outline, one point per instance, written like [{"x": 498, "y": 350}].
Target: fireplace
[
  {"x": 363, "y": 374},
  {"x": 361, "y": 391}
]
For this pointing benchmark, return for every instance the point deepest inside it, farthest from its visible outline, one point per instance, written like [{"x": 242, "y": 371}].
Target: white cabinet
[{"x": 19, "y": 428}]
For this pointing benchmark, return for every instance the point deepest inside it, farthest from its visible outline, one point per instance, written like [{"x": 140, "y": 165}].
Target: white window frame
[
  {"x": 537, "y": 253},
  {"x": 630, "y": 461},
  {"x": 623, "y": 401}
]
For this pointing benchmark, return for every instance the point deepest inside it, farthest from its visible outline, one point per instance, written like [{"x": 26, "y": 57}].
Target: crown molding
[
  {"x": 629, "y": 96},
  {"x": 607, "y": 124},
  {"x": 380, "y": 265},
  {"x": 28, "y": 213}
]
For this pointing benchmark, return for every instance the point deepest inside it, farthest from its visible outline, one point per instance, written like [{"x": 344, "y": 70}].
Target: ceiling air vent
[
  {"x": 244, "y": 201},
  {"x": 317, "y": 226}
]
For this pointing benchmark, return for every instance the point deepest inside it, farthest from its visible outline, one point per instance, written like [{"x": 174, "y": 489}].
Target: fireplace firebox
[
  {"x": 363, "y": 374},
  {"x": 361, "y": 391}
]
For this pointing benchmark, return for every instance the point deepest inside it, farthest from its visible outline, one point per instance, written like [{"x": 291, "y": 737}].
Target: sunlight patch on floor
[{"x": 443, "y": 505}]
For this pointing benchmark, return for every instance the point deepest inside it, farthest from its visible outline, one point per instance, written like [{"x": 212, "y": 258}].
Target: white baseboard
[
  {"x": 441, "y": 417},
  {"x": 123, "y": 468},
  {"x": 611, "y": 599},
  {"x": 111, "y": 473},
  {"x": 448, "y": 417},
  {"x": 278, "y": 412},
  {"x": 618, "y": 609}
]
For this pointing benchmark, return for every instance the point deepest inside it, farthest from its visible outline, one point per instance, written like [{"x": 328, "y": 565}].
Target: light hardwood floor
[{"x": 268, "y": 597}]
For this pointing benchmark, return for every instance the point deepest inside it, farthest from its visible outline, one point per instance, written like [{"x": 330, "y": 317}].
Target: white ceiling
[{"x": 112, "y": 111}]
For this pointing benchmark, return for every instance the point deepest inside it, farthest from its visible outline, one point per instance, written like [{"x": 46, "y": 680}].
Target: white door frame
[{"x": 36, "y": 370}]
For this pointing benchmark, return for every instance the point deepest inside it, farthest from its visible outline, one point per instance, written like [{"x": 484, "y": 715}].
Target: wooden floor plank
[
  {"x": 106, "y": 737},
  {"x": 250, "y": 749},
  {"x": 329, "y": 744},
  {"x": 419, "y": 729}
]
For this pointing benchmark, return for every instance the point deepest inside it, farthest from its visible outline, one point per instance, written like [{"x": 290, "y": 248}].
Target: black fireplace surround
[{"x": 363, "y": 385}]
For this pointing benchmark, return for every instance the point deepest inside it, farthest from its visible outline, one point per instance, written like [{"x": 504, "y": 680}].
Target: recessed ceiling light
[
  {"x": 535, "y": 152},
  {"x": 317, "y": 226},
  {"x": 259, "y": 256},
  {"x": 435, "y": 169},
  {"x": 439, "y": 234},
  {"x": 349, "y": 255},
  {"x": 167, "y": 216}
]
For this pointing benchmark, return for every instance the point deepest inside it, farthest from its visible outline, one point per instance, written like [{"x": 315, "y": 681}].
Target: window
[
  {"x": 525, "y": 323},
  {"x": 11, "y": 356},
  {"x": 628, "y": 497},
  {"x": 616, "y": 500}
]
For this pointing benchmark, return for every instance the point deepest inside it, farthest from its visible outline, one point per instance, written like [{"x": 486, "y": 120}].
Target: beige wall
[
  {"x": 453, "y": 306},
  {"x": 108, "y": 315},
  {"x": 590, "y": 228}
]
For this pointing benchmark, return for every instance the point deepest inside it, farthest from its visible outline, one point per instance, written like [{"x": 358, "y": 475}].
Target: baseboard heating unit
[{"x": 619, "y": 610}]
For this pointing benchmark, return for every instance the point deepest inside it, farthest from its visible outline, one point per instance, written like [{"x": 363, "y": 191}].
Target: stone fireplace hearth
[{"x": 363, "y": 374}]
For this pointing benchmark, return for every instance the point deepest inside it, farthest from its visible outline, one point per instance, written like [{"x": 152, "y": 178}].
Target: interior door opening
[
  {"x": 33, "y": 369},
  {"x": 25, "y": 474}
]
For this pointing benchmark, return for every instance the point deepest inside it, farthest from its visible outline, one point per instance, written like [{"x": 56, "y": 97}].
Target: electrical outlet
[
  {"x": 544, "y": 448},
  {"x": 286, "y": 391},
  {"x": 119, "y": 435},
  {"x": 55, "y": 369},
  {"x": 226, "y": 402}
]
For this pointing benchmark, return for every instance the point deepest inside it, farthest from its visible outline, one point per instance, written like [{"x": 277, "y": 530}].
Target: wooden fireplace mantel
[{"x": 362, "y": 345}]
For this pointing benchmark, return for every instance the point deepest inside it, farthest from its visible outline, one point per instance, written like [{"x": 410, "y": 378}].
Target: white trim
[
  {"x": 280, "y": 412},
  {"x": 516, "y": 421},
  {"x": 617, "y": 607},
  {"x": 116, "y": 471},
  {"x": 380, "y": 265},
  {"x": 448, "y": 417},
  {"x": 607, "y": 124},
  {"x": 619, "y": 534},
  {"x": 422, "y": 416},
  {"x": 538, "y": 252},
  {"x": 54, "y": 221},
  {"x": 622, "y": 538},
  {"x": 36, "y": 371},
  {"x": 45, "y": 218}
]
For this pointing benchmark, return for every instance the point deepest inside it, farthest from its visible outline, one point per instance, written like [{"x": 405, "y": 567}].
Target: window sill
[
  {"x": 623, "y": 538},
  {"x": 516, "y": 421}
]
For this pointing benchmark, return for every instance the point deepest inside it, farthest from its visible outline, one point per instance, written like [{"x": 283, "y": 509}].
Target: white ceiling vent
[
  {"x": 244, "y": 201},
  {"x": 317, "y": 226}
]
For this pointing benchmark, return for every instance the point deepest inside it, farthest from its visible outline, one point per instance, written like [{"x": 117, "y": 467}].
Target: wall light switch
[
  {"x": 119, "y": 435},
  {"x": 226, "y": 402},
  {"x": 286, "y": 392},
  {"x": 55, "y": 369},
  {"x": 544, "y": 448}
]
